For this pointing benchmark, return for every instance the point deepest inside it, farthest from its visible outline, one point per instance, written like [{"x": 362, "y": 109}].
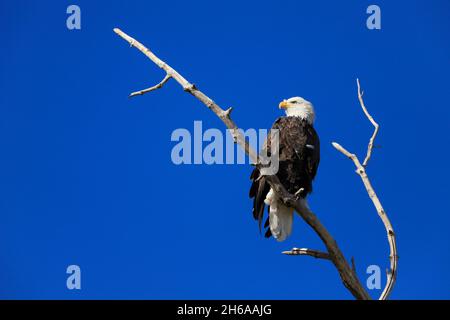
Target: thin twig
[
  {"x": 353, "y": 264},
  {"x": 361, "y": 171},
  {"x": 375, "y": 124},
  {"x": 155, "y": 87},
  {"x": 349, "y": 278},
  {"x": 308, "y": 252}
]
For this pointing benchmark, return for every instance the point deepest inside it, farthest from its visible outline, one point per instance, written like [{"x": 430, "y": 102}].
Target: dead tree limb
[
  {"x": 155, "y": 87},
  {"x": 308, "y": 252},
  {"x": 361, "y": 171},
  {"x": 348, "y": 276}
]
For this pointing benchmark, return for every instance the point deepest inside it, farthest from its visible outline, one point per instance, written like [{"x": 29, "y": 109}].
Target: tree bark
[{"x": 334, "y": 254}]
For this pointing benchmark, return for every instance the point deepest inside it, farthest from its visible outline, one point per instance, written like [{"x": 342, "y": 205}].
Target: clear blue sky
[{"x": 86, "y": 176}]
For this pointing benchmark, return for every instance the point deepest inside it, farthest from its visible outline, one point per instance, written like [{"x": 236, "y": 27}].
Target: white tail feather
[{"x": 280, "y": 217}]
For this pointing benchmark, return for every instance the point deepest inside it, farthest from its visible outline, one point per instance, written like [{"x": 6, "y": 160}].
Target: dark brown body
[{"x": 299, "y": 155}]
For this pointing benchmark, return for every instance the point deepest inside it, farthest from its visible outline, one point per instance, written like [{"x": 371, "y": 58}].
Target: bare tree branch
[
  {"x": 224, "y": 115},
  {"x": 308, "y": 252},
  {"x": 361, "y": 171},
  {"x": 376, "y": 126},
  {"x": 155, "y": 87},
  {"x": 349, "y": 278}
]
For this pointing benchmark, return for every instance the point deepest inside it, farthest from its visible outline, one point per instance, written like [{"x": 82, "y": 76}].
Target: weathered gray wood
[
  {"x": 347, "y": 274},
  {"x": 361, "y": 171}
]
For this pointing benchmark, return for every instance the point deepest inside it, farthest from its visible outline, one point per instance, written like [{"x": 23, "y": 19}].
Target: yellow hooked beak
[{"x": 283, "y": 104}]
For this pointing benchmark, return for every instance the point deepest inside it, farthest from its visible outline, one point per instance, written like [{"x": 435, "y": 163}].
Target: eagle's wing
[
  {"x": 260, "y": 188},
  {"x": 313, "y": 154},
  {"x": 300, "y": 149}
]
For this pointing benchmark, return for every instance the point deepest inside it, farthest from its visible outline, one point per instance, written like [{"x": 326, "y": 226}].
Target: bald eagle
[{"x": 299, "y": 156}]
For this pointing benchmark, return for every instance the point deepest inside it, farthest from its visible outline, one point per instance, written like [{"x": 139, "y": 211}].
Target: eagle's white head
[{"x": 298, "y": 107}]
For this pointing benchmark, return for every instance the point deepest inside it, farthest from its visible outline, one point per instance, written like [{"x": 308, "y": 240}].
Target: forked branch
[
  {"x": 347, "y": 274},
  {"x": 376, "y": 126},
  {"x": 361, "y": 171}
]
